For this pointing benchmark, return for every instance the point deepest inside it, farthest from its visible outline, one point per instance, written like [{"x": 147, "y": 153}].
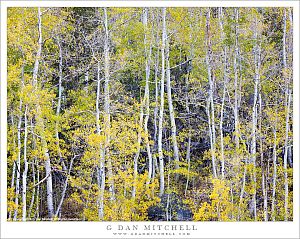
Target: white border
[{"x": 98, "y": 229}]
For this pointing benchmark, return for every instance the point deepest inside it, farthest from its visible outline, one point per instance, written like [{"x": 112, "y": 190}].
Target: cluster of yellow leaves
[
  {"x": 11, "y": 206},
  {"x": 220, "y": 208},
  {"x": 126, "y": 208}
]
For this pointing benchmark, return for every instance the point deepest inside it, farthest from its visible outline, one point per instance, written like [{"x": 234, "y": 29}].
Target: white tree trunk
[
  {"x": 24, "y": 176},
  {"x": 39, "y": 50},
  {"x": 224, "y": 94},
  {"x": 171, "y": 108},
  {"x": 58, "y": 108},
  {"x": 242, "y": 190},
  {"x": 154, "y": 160},
  {"x": 148, "y": 52},
  {"x": 287, "y": 105},
  {"x": 40, "y": 121},
  {"x": 65, "y": 188},
  {"x": 37, "y": 211},
  {"x": 49, "y": 180},
  {"x": 136, "y": 157},
  {"x": 100, "y": 168},
  {"x": 106, "y": 114},
  {"x": 286, "y": 185},
  {"x": 254, "y": 115},
  {"x": 12, "y": 184},
  {"x": 263, "y": 181},
  {"x": 33, "y": 190},
  {"x": 161, "y": 111},
  {"x": 18, "y": 166},
  {"x": 210, "y": 105},
  {"x": 188, "y": 159},
  {"x": 274, "y": 171},
  {"x": 236, "y": 94}
]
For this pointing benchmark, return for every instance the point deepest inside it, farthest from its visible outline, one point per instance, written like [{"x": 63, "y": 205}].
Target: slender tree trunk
[
  {"x": 33, "y": 190},
  {"x": 286, "y": 185},
  {"x": 254, "y": 115},
  {"x": 65, "y": 188},
  {"x": 136, "y": 157},
  {"x": 168, "y": 211},
  {"x": 264, "y": 190},
  {"x": 188, "y": 149},
  {"x": 287, "y": 106},
  {"x": 154, "y": 160},
  {"x": 18, "y": 160},
  {"x": 221, "y": 135},
  {"x": 210, "y": 105},
  {"x": 24, "y": 176},
  {"x": 188, "y": 159},
  {"x": 236, "y": 94},
  {"x": 39, "y": 50},
  {"x": 59, "y": 104},
  {"x": 49, "y": 180},
  {"x": 161, "y": 112},
  {"x": 274, "y": 170},
  {"x": 223, "y": 97},
  {"x": 253, "y": 160},
  {"x": 37, "y": 211},
  {"x": 12, "y": 184},
  {"x": 101, "y": 167},
  {"x": 171, "y": 108},
  {"x": 187, "y": 105},
  {"x": 41, "y": 123},
  {"x": 106, "y": 114},
  {"x": 242, "y": 190},
  {"x": 146, "y": 96}
]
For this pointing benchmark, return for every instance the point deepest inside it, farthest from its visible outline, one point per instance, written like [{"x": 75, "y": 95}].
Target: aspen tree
[
  {"x": 287, "y": 106},
  {"x": 24, "y": 176},
  {"x": 170, "y": 103},
  {"x": 257, "y": 63},
  {"x": 106, "y": 114},
  {"x": 210, "y": 104},
  {"x": 161, "y": 111}
]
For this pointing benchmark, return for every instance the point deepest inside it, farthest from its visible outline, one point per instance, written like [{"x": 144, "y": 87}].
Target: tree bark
[
  {"x": 24, "y": 176},
  {"x": 286, "y": 146},
  {"x": 161, "y": 111},
  {"x": 136, "y": 157},
  {"x": 254, "y": 114},
  {"x": 58, "y": 108},
  {"x": 12, "y": 184},
  {"x": 39, "y": 50},
  {"x": 224, "y": 94},
  {"x": 40, "y": 121},
  {"x": 210, "y": 105},
  {"x": 148, "y": 52},
  {"x": 242, "y": 190},
  {"x": 154, "y": 160},
  {"x": 101, "y": 166},
  {"x": 236, "y": 94},
  {"x": 274, "y": 170},
  {"x": 19, "y": 159},
  {"x": 65, "y": 188},
  {"x": 171, "y": 108},
  {"x": 263, "y": 180},
  {"x": 33, "y": 179},
  {"x": 287, "y": 106},
  {"x": 106, "y": 114}
]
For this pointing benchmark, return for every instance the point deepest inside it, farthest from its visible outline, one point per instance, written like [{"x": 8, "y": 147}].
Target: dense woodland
[{"x": 111, "y": 110}]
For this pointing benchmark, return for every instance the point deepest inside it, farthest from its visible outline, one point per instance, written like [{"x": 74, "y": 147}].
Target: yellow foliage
[
  {"x": 220, "y": 208},
  {"x": 126, "y": 208}
]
